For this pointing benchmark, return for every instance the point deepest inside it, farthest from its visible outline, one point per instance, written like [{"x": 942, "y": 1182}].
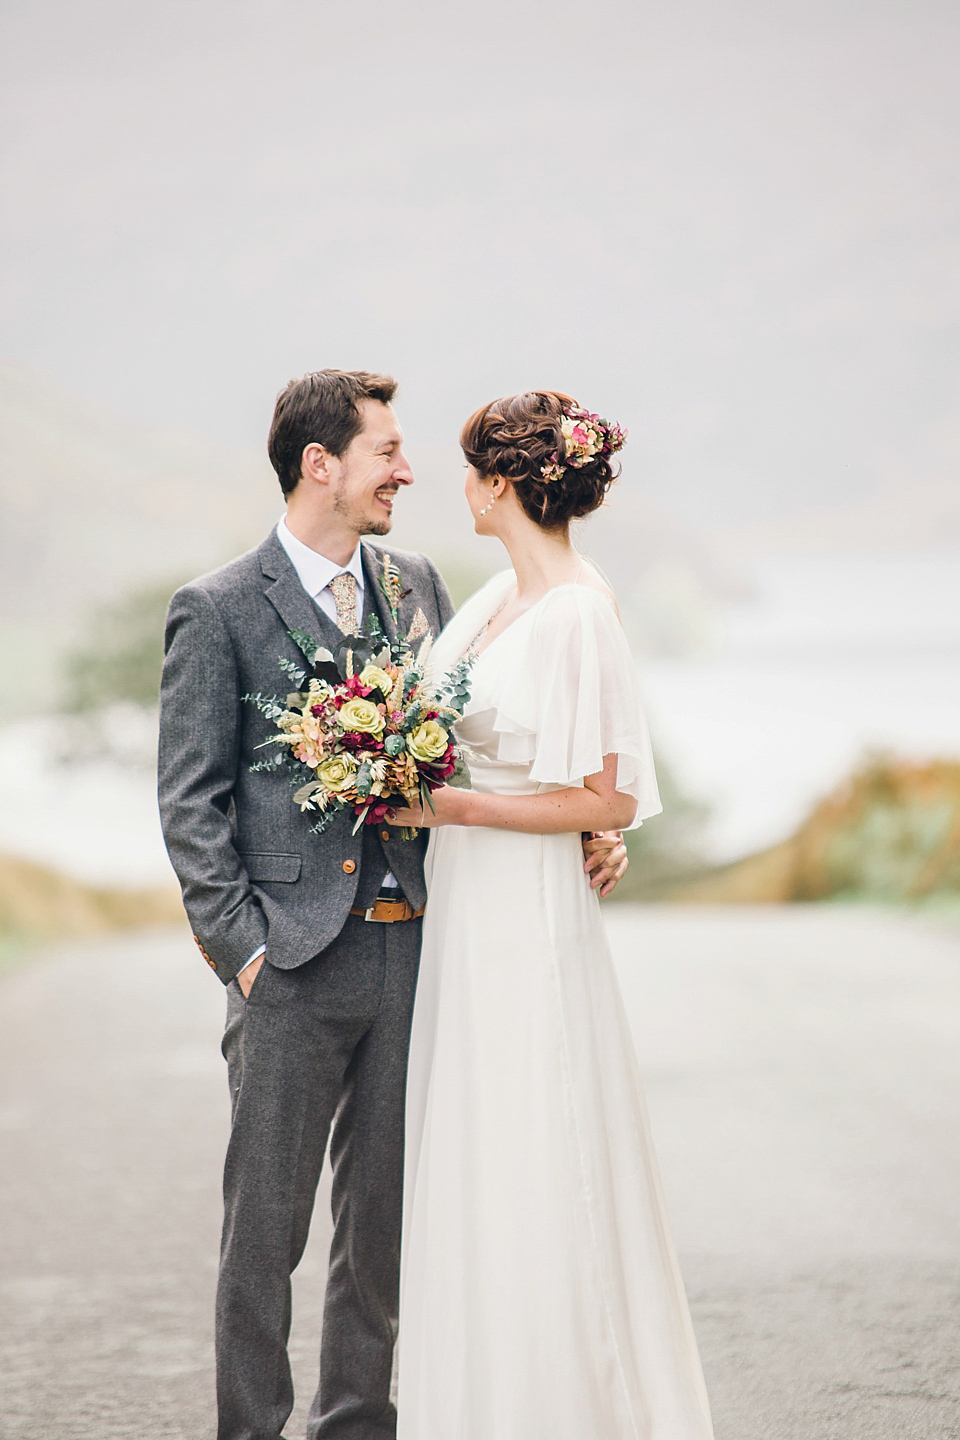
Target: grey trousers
[{"x": 319, "y": 1046}]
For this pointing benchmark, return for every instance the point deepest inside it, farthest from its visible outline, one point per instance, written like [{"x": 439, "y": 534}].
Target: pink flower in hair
[{"x": 585, "y": 436}]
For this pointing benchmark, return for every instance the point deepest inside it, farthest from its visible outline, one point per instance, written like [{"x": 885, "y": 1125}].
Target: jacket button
[
  {"x": 349, "y": 866},
  {"x": 384, "y": 834}
]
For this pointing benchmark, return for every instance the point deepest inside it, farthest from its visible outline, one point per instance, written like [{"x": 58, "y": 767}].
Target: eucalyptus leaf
[
  {"x": 276, "y": 762},
  {"x": 364, "y": 780},
  {"x": 426, "y": 798},
  {"x": 296, "y": 673},
  {"x": 304, "y": 642},
  {"x": 460, "y": 779},
  {"x": 326, "y": 820}
]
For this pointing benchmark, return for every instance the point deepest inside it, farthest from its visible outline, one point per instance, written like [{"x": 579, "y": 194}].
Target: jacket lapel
[
  {"x": 373, "y": 597},
  {"x": 299, "y": 612},
  {"x": 287, "y": 596}
]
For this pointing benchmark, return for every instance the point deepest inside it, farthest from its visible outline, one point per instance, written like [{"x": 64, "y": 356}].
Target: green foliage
[
  {"x": 123, "y": 655},
  {"x": 891, "y": 833},
  {"x": 304, "y": 642},
  {"x": 270, "y": 706},
  {"x": 293, "y": 672},
  {"x": 460, "y": 779},
  {"x": 13, "y": 947},
  {"x": 887, "y": 851}
]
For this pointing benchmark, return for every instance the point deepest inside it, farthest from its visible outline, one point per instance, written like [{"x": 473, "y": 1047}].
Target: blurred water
[
  {"x": 850, "y": 604},
  {"x": 835, "y": 656},
  {"x": 95, "y": 819}
]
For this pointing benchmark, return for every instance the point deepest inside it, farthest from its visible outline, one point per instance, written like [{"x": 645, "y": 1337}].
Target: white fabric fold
[{"x": 564, "y": 689}]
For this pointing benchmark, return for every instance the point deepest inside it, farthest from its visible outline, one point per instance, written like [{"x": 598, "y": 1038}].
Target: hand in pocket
[{"x": 246, "y": 977}]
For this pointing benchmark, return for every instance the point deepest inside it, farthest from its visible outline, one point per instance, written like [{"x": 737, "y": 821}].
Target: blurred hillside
[
  {"x": 37, "y": 903},
  {"x": 889, "y": 833}
]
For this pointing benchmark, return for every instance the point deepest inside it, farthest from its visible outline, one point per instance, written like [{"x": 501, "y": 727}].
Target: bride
[{"x": 540, "y": 1295}]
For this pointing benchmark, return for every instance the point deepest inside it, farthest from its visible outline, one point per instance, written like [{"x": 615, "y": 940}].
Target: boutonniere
[{"x": 391, "y": 584}]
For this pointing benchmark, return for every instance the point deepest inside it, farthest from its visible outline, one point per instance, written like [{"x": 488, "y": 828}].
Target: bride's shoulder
[
  {"x": 578, "y": 625},
  {"x": 593, "y": 580},
  {"x": 588, "y": 601}
]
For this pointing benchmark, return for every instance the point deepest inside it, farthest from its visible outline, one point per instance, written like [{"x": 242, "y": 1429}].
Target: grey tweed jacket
[{"x": 250, "y": 871}]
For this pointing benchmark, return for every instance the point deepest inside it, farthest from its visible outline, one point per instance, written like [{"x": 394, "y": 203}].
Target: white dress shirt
[{"x": 315, "y": 571}]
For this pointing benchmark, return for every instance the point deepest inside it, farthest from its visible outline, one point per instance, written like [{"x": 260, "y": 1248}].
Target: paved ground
[{"x": 804, "y": 1079}]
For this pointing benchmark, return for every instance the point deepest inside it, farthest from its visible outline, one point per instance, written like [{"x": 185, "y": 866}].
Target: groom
[{"x": 317, "y": 937}]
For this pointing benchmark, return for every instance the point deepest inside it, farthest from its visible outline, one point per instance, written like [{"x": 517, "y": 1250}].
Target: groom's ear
[{"x": 316, "y": 464}]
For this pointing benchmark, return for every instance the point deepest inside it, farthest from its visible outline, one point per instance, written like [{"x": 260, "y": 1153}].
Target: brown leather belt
[{"x": 387, "y": 912}]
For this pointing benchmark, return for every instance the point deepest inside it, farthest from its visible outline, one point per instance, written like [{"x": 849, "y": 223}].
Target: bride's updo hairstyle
[{"x": 556, "y": 455}]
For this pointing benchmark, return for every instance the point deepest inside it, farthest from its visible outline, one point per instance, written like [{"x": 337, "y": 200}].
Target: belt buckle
[{"x": 400, "y": 903}]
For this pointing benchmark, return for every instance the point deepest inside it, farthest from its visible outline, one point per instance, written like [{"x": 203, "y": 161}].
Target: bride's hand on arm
[{"x": 594, "y": 805}]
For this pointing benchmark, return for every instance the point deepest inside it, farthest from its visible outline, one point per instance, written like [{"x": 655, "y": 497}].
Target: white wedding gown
[{"x": 540, "y": 1295}]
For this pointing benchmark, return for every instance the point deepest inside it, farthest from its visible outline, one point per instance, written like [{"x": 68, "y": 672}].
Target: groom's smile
[{"x": 372, "y": 469}]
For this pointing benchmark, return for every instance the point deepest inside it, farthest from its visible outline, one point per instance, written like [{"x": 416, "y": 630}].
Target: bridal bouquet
[{"x": 366, "y": 729}]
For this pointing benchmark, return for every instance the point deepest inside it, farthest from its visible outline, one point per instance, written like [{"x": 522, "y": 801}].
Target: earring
[{"x": 487, "y": 507}]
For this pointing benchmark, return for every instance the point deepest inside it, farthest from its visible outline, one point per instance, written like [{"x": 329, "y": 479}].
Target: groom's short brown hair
[{"x": 321, "y": 408}]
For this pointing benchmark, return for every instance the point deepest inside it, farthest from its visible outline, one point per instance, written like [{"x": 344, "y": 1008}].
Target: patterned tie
[{"x": 344, "y": 590}]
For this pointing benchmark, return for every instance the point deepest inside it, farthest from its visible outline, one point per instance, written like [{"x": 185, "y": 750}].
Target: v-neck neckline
[{"x": 565, "y": 585}]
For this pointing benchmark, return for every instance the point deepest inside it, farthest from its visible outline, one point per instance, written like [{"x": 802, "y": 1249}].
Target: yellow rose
[
  {"x": 361, "y": 715},
  {"x": 378, "y": 679},
  {"x": 338, "y": 773},
  {"x": 428, "y": 741}
]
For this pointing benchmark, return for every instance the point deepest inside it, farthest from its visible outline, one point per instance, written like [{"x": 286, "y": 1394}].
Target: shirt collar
[{"x": 314, "y": 570}]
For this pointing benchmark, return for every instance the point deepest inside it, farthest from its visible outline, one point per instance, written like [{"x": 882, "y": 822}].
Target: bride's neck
[{"x": 541, "y": 558}]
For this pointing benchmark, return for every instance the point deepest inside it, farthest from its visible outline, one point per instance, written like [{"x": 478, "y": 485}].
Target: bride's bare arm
[{"x": 597, "y": 805}]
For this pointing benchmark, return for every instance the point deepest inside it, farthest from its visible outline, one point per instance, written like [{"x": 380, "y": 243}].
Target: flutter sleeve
[{"x": 570, "y": 697}]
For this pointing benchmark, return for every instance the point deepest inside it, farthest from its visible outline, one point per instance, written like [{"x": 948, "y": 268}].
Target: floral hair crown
[{"x": 585, "y": 437}]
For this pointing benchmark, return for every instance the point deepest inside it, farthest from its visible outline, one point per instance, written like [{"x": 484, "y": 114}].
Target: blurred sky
[{"x": 732, "y": 226}]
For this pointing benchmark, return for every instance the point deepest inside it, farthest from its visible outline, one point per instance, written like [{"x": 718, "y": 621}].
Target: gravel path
[{"x": 803, "y": 1072}]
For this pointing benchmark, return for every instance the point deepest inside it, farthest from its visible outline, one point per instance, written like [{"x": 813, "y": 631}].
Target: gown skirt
[{"x": 540, "y": 1293}]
